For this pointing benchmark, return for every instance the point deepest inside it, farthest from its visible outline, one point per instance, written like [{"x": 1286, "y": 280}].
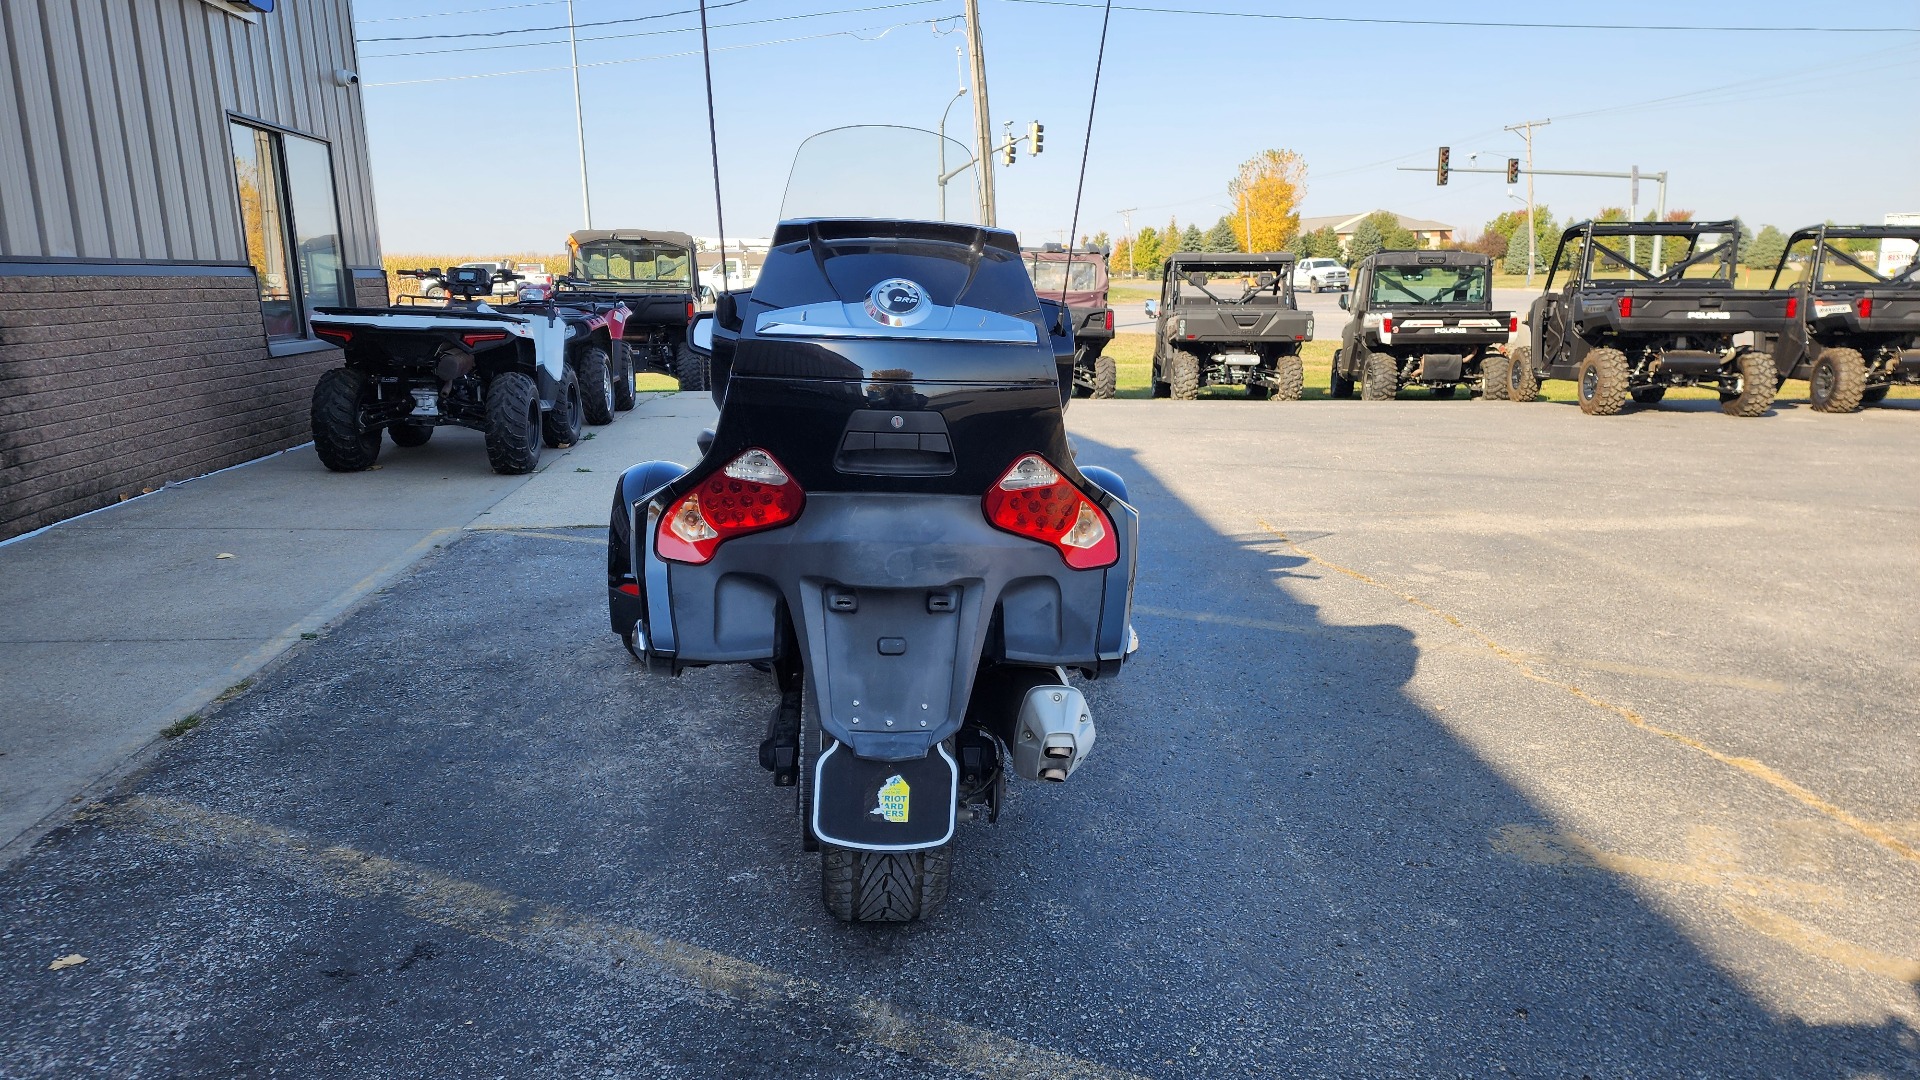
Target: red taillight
[
  {"x": 748, "y": 494},
  {"x": 332, "y": 334},
  {"x": 1793, "y": 307},
  {"x": 485, "y": 335},
  {"x": 1626, "y": 307},
  {"x": 1109, "y": 318},
  {"x": 631, "y": 588},
  {"x": 1033, "y": 500},
  {"x": 689, "y": 311},
  {"x": 1513, "y": 324},
  {"x": 1386, "y": 324},
  {"x": 1865, "y": 307}
]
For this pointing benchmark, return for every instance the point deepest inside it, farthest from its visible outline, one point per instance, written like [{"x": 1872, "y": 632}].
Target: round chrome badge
[{"x": 897, "y": 302}]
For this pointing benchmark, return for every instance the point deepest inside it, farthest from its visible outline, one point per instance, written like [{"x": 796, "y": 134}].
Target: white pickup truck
[{"x": 1316, "y": 275}]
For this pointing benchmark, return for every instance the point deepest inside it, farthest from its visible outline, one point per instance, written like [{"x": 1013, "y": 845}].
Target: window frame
[{"x": 304, "y": 337}]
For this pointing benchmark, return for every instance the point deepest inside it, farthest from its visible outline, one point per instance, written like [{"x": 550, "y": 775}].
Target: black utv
[
  {"x": 1421, "y": 318},
  {"x": 652, "y": 272},
  {"x": 1229, "y": 320},
  {"x": 1646, "y": 306},
  {"x": 1853, "y": 325},
  {"x": 1078, "y": 279}
]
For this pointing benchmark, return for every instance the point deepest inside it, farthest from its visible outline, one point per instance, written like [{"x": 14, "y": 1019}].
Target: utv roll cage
[
  {"x": 1823, "y": 249},
  {"x": 1190, "y": 268},
  {"x": 1589, "y": 231}
]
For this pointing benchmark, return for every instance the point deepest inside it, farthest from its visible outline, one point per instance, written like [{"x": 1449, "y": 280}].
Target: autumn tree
[
  {"x": 1121, "y": 261},
  {"x": 1266, "y": 196}
]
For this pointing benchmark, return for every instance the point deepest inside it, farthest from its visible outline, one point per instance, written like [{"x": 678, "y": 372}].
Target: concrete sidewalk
[{"x": 121, "y": 623}]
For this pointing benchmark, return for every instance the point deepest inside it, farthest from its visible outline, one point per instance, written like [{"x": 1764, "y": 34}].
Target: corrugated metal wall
[{"x": 113, "y": 123}]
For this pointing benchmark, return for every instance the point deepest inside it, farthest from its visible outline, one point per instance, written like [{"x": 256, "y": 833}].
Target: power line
[
  {"x": 650, "y": 33},
  {"x": 458, "y": 11},
  {"x": 549, "y": 29},
  {"x": 1475, "y": 24}
]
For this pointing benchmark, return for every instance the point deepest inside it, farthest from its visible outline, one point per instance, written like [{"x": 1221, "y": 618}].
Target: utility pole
[
  {"x": 982, "y": 116},
  {"x": 1127, "y": 216},
  {"x": 1533, "y": 240},
  {"x": 579, "y": 119}
]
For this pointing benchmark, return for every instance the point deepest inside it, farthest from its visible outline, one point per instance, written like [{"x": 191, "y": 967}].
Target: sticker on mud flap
[
  {"x": 1825, "y": 310},
  {"x": 893, "y": 799}
]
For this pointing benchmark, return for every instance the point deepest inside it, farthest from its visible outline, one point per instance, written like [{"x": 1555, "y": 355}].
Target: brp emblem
[
  {"x": 897, "y": 302},
  {"x": 898, "y": 422}
]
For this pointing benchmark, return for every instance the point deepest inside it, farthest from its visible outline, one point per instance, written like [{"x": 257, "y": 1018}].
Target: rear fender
[{"x": 628, "y": 591}]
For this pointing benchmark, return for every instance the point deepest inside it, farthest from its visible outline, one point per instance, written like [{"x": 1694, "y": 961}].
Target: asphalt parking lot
[{"x": 1466, "y": 738}]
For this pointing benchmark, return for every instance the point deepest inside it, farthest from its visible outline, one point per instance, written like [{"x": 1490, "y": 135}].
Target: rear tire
[
  {"x": 1838, "y": 381},
  {"x": 1183, "y": 375},
  {"x": 1758, "y": 381},
  {"x": 561, "y": 426},
  {"x": 1495, "y": 369},
  {"x": 513, "y": 423},
  {"x": 624, "y": 397},
  {"x": 1338, "y": 385},
  {"x": 1379, "y": 377},
  {"x": 410, "y": 434},
  {"x": 597, "y": 389},
  {"x": 1649, "y": 395},
  {"x": 1602, "y": 382},
  {"x": 872, "y": 886},
  {"x": 691, "y": 369},
  {"x": 1523, "y": 383},
  {"x": 1106, "y": 376},
  {"x": 1290, "y": 378},
  {"x": 340, "y": 436}
]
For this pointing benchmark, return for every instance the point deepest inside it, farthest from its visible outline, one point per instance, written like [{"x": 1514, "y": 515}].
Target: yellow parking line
[
  {"x": 1759, "y": 770},
  {"x": 552, "y": 932}
]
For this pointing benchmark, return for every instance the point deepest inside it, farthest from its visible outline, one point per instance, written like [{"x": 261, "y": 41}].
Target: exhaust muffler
[{"x": 1053, "y": 735}]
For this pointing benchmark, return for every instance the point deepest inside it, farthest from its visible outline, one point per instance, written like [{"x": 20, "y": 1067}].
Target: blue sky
[{"x": 1782, "y": 128}]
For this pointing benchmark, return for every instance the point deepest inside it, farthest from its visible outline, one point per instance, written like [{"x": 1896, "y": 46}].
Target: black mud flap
[{"x": 884, "y": 805}]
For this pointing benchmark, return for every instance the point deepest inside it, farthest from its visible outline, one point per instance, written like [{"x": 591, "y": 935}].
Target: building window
[{"x": 292, "y": 225}]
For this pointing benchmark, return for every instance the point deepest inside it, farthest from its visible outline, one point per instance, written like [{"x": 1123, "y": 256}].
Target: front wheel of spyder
[
  {"x": 1751, "y": 391},
  {"x": 875, "y": 886}
]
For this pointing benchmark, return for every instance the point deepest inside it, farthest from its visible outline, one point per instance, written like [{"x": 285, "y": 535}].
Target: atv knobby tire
[
  {"x": 1758, "y": 381},
  {"x": 1838, "y": 382},
  {"x": 1495, "y": 370},
  {"x": 1338, "y": 385},
  {"x": 1183, "y": 375},
  {"x": 562, "y": 424},
  {"x": 1523, "y": 383},
  {"x": 340, "y": 436},
  {"x": 1289, "y": 379},
  {"x": 691, "y": 369},
  {"x": 873, "y": 886},
  {"x": 410, "y": 434},
  {"x": 513, "y": 423},
  {"x": 1379, "y": 377},
  {"x": 597, "y": 390},
  {"x": 1602, "y": 382},
  {"x": 624, "y": 397},
  {"x": 1106, "y": 376}
]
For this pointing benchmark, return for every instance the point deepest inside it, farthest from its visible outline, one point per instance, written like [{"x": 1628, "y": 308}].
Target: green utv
[
  {"x": 1228, "y": 320},
  {"x": 1853, "y": 325}
]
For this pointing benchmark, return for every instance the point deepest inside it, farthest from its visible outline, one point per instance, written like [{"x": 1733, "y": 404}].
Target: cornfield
[{"x": 398, "y": 286}]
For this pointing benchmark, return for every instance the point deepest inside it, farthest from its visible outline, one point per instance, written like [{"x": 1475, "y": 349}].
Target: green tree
[
  {"x": 1366, "y": 240},
  {"x": 1386, "y": 228},
  {"x": 1099, "y": 240},
  {"x": 1221, "y": 237},
  {"x": 1326, "y": 243},
  {"x": 1545, "y": 235},
  {"x": 1765, "y": 251},
  {"x": 1147, "y": 255},
  {"x": 1191, "y": 239},
  {"x": 1301, "y": 245}
]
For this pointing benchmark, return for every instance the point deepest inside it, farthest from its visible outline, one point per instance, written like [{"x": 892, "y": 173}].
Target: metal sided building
[{"x": 181, "y": 181}]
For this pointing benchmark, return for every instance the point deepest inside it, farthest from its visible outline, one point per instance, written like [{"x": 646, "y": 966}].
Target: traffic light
[
  {"x": 1007, "y": 151},
  {"x": 1038, "y": 133},
  {"x": 1513, "y": 170},
  {"x": 1440, "y": 170}
]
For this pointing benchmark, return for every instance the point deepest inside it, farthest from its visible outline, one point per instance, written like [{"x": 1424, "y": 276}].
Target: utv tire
[
  {"x": 1874, "y": 395},
  {"x": 410, "y": 434},
  {"x": 1495, "y": 369},
  {"x": 561, "y": 425},
  {"x": 1649, "y": 395},
  {"x": 1290, "y": 379},
  {"x": 1838, "y": 382},
  {"x": 1106, "y": 376},
  {"x": 1602, "y": 382},
  {"x": 1338, "y": 385},
  {"x": 1183, "y": 375},
  {"x": 597, "y": 389},
  {"x": 513, "y": 423},
  {"x": 1523, "y": 383},
  {"x": 1758, "y": 381},
  {"x": 691, "y": 369},
  {"x": 873, "y": 886},
  {"x": 1444, "y": 393},
  {"x": 340, "y": 437},
  {"x": 1379, "y": 377},
  {"x": 623, "y": 396}
]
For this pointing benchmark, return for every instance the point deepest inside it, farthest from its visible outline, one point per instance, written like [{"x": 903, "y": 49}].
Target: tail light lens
[
  {"x": 749, "y": 494},
  {"x": 689, "y": 311},
  {"x": 1865, "y": 307},
  {"x": 1793, "y": 307},
  {"x": 1513, "y": 324},
  {"x": 1386, "y": 324},
  {"x": 1626, "y": 307},
  {"x": 487, "y": 335},
  {"x": 1033, "y": 500},
  {"x": 337, "y": 336},
  {"x": 1109, "y": 318}
]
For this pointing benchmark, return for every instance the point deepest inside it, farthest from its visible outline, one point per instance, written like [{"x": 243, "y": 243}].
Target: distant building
[
  {"x": 1432, "y": 234},
  {"x": 181, "y": 182}
]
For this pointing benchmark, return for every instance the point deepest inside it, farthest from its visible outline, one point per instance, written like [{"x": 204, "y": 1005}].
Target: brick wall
[
  {"x": 370, "y": 291},
  {"x": 111, "y": 386}
]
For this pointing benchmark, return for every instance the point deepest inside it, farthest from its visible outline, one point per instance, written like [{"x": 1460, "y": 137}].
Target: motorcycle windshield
[{"x": 882, "y": 171}]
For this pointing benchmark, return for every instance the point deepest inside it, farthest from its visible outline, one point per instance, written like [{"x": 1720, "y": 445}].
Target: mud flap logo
[{"x": 893, "y": 799}]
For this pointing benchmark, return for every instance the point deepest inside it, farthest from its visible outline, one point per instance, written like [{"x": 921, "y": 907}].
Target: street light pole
[
  {"x": 579, "y": 118},
  {"x": 1533, "y": 251},
  {"x": 1127, "y": 216},
  {"x": 958, "y": 94},
  {"x": 982, "y": 116}
]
